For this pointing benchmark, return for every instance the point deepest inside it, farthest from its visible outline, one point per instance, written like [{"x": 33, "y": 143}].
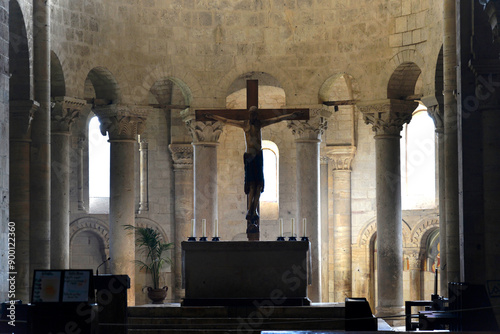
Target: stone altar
[{"x": 231, "y": 273}]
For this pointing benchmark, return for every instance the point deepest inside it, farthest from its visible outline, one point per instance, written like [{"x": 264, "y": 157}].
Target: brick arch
[
  {"x": 90, "y": 224},
  {"x": 366, "y": 234},
  {"x": 420, "y": 232}
]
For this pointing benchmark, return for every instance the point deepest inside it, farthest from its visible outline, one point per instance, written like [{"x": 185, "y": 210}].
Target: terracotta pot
[{"x": 157, "y": 296}]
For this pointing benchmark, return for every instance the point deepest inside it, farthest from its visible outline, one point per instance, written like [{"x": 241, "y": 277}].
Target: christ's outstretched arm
[
  {"x": 233, "y": 122},
  {"x": 280, "y": 118}
]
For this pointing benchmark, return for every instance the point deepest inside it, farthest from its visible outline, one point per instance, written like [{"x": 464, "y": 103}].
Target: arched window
[
  {"x": 418, "y": 171},
  {"x": 271, "y": 172},
  {"x": 99, "y": 152}
]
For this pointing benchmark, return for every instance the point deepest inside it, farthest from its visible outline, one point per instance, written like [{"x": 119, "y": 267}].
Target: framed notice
[{"x": 67, "y": 286}]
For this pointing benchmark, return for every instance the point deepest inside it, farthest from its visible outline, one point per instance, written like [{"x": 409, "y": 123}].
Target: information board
[{"x": 52, "y": 286}]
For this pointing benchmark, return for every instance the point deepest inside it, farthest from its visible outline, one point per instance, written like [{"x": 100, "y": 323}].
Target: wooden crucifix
[{"x": 252, "y": 120}]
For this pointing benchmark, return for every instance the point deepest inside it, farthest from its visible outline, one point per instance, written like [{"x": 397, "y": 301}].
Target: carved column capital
[
  {"x": 122, "y": 122},
  {"x": 21, "y": 114},
  {"x": 313, "y": 128},
  {"x": 414, "y": 260},
  {"x": 205, "y": 132},
  {"x": 341, "y": 156},
  {"x": 437, "y": 116},
  {"x": 65, "y": 111},
  {"x": 387, "y": 117},
  {"x": 182, "y": 155}
]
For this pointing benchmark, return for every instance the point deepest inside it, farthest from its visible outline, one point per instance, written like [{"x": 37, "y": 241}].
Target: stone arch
[
  {"x": 403, "y": 81},
  {"x": 163, "y": 91},
  {"x": 90, "y": 224},
  {"x": 254, "y": 71},
  {"x": 20, "y": 82},
  {"x": 102, "y": 87},
  {"x": 57, "y": 81},
  {"x": 438, "y": 77},
  {"x": 146, "y": 222},
  {"x": 184, "y": 79},
  {"x": 341, "y": 86},
  {"x": 422, "y": 229},
  {"x": 367, "y": 232}
]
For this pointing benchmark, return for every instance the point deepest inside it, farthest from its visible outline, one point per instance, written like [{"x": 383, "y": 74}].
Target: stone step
[
  {"x": 326, "y": 310},
  {"x": 231, "y": 323}
]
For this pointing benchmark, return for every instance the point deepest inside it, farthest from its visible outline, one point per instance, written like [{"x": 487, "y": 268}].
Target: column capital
[
  {"x": 204, "y": 132},
  {"x": 21, "y": 113},
  {"x": 312, "y": 129},
  {"x": 437, "y": 116},
  {"x": 414, "y": 260},
  {"x": 182, "y": 155},
  {"x": 65, "y": 111},
  {"x": 122, "y": 122},
  {"x": 387, "y": 117},
  {"x": 341, "y": 156}
]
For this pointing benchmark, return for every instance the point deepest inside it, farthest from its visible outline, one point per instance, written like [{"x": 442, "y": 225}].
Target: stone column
[
  {"x": 122, "y": 124},
  {"x": 387, "y": 118},
  {"x": 415, "y": 263},
  {"x": 437, "y": 116},
  {"x": 451, "y": 143},
  {"x": 205, "y": 141},
  {"x": 308, "y": 137},
  {"x": 143, "y": 175},
  {"x": 81, "y": 200},
  {"x": 64, "y": 112},
  {"x": 40, "y": 145},
  {"x": 182, "y": 155},
  {"x": 341, "y": 158},
  {"x": 325, "y": 227},
  {"x": 21, "y": 114}
]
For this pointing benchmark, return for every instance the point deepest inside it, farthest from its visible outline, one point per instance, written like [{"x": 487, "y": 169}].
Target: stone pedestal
[
  {"x": 387, "y": 118},
  {"x": 64, "y": 113},
  {"x": 123, "y": 124},
  {"x": 263, "y": 273},
  {"x": 182, "y": 155},
  {"x": 21, "y": 114},
  {"x": 308, "y": 137}
]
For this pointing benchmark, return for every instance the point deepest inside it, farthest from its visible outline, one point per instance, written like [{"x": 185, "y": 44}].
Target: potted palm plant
[{"x": 150, "y": 243}]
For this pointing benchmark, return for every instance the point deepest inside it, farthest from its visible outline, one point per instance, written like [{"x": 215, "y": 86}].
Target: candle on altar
[
  {"x": 304, "y": 226},
  {"x": 293, "y": 227},
  {"x": 192, "y": 227},
  {"x": 281, "y": 227},
  {"x": 204, "y": 227},
  {"x": 216, "y": 233}
]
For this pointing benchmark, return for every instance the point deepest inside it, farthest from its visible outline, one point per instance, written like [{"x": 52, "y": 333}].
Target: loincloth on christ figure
[{"x": 254, "y": 171}]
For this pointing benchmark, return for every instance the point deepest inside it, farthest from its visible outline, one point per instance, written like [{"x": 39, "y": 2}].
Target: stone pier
[
  {"x": 21, "y": 114},
  {"x": 308, "y": 137},
  {"x": 64, "y": 113},
  {"x": 341, "y": 158},
  {"x": 182, "y": 156},
  {"x": 205, "y": 141},
  {"x": 122, "y": 124},
  {"x": 387, "y": 118}
]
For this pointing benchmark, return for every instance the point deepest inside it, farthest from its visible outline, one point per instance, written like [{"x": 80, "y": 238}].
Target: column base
[{"x": 393, "y": 315}]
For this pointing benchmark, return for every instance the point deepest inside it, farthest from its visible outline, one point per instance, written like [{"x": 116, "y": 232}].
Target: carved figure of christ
[{"x": 252, "y": 121}]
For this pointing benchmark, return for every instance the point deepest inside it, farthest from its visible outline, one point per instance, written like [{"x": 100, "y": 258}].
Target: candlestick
[
  {"x": 304, "y": 226},
  {"x": 293, "y": 238},
  {"x": 281, "y": 238},
  {"x": 204, "y": 227},
  {"x": 216, "y": 233},
  {"x": 192, "y": 237}
]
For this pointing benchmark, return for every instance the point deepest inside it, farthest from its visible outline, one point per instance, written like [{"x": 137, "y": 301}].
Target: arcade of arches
[{"x": 388, "y": 200}]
